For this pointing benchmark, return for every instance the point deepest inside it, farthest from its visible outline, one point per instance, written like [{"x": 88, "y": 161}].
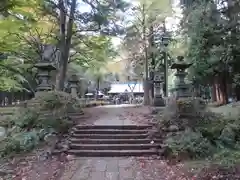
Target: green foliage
[
  {"x": 27, "y": 25},
  {"x": 25, "y": 118},
  {"x": 191, "y": 143},
  {"x": 20, "y": 142},
  {"x": 148, "y": 18},
  {"x": 58, "y": 101},
  {"x": 213, "y": 39},
  {"x": 29, "y": 126},
  {"x": 200, "y": 134},
  {"x": 227, "y": 157}
]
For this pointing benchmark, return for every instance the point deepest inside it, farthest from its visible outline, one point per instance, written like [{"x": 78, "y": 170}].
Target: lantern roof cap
[{"x": 180, "y": 63}]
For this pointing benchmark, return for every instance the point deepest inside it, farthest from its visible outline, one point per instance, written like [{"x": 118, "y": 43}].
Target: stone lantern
[
  {"x": 158, "y": 80},
  {"x": 73, "y": 81},
  {"x": 44, "y": 67},
  {"x": 182, "y": 89}
]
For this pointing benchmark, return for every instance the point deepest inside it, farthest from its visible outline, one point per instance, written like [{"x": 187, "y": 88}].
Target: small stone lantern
[
  {"x": 45, "y": 66},
  {"x": 73, "y": 81},
  {"x": 182, "y": 89},
  {"x": 158, "y": 79}
]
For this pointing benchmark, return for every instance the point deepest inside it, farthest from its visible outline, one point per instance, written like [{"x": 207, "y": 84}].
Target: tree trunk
[
  {"x": 165, "y": 64},
  {"x": 97, "y": 88},
  {"x": 62, "y": 26},
  {"x": 213, "y": 93},
  {"x": 152, "y": 45},
  {"x": 146, "y": 83},
  {"x": 146, "y": 92},
  {"x": 237, "y": 92},
  {"x": 218, "y": 99},
  {"x": 65, "y": 41},
  {"x": 223, "y": 89},
  {"x": 215, "y": 89}
]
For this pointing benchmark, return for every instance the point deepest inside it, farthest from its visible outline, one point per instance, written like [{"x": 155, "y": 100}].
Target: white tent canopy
[
  {"x": 121, "y": 88},
  {"x": 91, "y": 94}
]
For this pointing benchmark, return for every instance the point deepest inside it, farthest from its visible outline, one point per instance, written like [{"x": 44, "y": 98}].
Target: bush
[
  {"x": 20, "y": 142},
  {"x": 26, "y": 118},
  {"x": 45, "y": 114},
  {"x": 6, "y": 122},
  {"x": 185, "y": 112},
  {"x": 190, "y": 143},
  {"x": 199, "y": 133},
  {"x": 56, "y": 101},
  {"x": 227, "y": 157}
]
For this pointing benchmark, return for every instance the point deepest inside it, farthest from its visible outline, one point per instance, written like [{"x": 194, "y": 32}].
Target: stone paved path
[
  {"x": 105, "y": 168},
  {"x": 113, "y": 116},
  {"x": 118, "y": 168}
]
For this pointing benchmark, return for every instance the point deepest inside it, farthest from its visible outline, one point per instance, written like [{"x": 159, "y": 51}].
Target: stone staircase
[{"x": 112, "y": 140}]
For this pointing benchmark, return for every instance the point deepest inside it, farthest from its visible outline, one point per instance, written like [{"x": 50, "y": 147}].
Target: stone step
[
  {"x": 129, "y": 127},
  {"x": 112, "y": 153},
  {"x": 113, "y": 141},
  {"x": 76, "y": 114},
  {"x": 114, "y": 146},
  {"x": 110, "y": 136},
  {"x": 109, "y": 131}
]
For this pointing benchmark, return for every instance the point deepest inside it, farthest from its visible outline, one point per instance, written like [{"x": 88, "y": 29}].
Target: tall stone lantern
[
  {"x": 182, "y": 89},
  {"x": 73, "y": 81},
  {"x": 158, "y": 80},
  {"x": 45, "y": 66}
]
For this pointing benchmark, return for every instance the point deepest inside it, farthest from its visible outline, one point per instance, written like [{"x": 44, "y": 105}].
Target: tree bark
[
  {"x": 237, "y": 92},
  {"x": 65, "y": 41},
  {"x": 215, "y": 90},
  {"x": 146, "y": 83},
  {"x": 165, "y": 64},
  {"x": 214, "y": 98},
  {"x": 152, "y": 45},
  {"x": 97, "y": 88},
  {"x": 223, "y": 90}
]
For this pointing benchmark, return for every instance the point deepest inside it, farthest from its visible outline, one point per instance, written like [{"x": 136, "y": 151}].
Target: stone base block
[{"x": 158, "y": 101}]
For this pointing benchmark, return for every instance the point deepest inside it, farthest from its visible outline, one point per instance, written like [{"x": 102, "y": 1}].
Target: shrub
[
  {"x": 59, "y": 124},
  {"x": 25, "y": 118},
  {"x": 185, "y": 112},
  {"x": 199, "y": 131},
  {"x": 188, "y": 142},
  {"x": 20, "y": 142},
  {"x": 227, "y": 157},
  {"x": 56, "y": 101},
  {"x": 45, "y": 114},
  {"x": 6, "y": 122}
]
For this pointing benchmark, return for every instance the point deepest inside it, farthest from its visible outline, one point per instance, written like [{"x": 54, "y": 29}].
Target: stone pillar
[
  {"x": 73, "y": 81},
  {"x": 158, "y": 98}
]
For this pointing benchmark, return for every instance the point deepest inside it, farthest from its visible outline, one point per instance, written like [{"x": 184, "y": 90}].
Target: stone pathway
[
  {"x": 113, "y": 116},
  {"x": 118, "y": 168},
  {"x": 104, "y": 168}
]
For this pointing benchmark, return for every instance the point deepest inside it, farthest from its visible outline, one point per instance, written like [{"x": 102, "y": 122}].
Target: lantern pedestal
[
  {"x": 73, "y": 81},
  {"x": 158, "y": 100}
]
